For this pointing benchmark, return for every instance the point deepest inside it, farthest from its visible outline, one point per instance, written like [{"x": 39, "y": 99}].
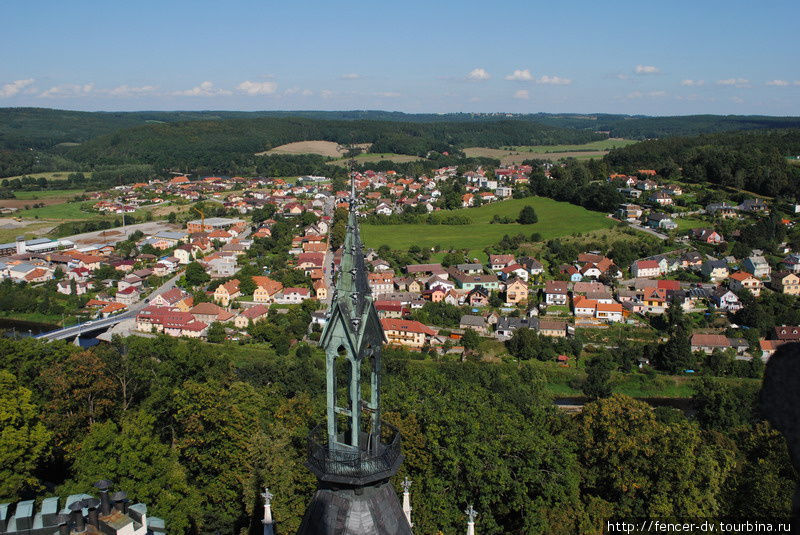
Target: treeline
[
  {"x": 235, "y": 141},
  {"x": 194, "y": 429},
  {"x": 578, "y": 182},
  {"x": 410, "y": 218},
  {"x": 755, "y": 161}
]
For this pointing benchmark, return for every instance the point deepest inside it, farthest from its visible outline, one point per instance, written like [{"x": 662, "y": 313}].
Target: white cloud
[
  {"x": 326, "y": 93},
  {"x": 737, "y": 100},
  {"x": 257, "y": 88},
  {"x": 205, "y": 89},
  {"x": 651, "y": 94},
  {"x": 646, "y": 69},
  {"x": 779, "y": 83},
  {"x": 68, "y": 90},
  {"x": 350, "y": 76},
  {"x": 621, "y": 76},
  {"x": 553, "y": 80},
  {"x": 522, "y": 94},
  {"x": 478, "y": 75},
  {"x": 128, "y": 91},
  {"x": 387, "y": 94},
  {"x": 474, "y": 99},
  {"x": 692, "y": 83},
  {"x": 298, "y": 91},
  {"x": 738, "y": 82},
  {"x": 9, "y": 90},
  {"x": 518, "y": 75}
]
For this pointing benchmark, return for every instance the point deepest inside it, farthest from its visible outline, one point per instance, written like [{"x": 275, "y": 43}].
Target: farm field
[
  {"x": 516, "y": 155},
  {"x": 46, "y": 197},
  {"x": 555, "y": 219},
  {"x": 10, "y": 229},
  {"x": 378, "y": 157},
  {"x": 323, "y": 148},
  {"x": 49, "y": 175}
]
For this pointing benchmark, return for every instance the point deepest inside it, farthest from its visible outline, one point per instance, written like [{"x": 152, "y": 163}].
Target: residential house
[
  {"x": 742, "y": 280},
  {"x": 787, "y": 333},
  {"x": 516, "y": 292},
  {"x": 768, "y": 348},
  {"x": 184, "y": 254},
  {"x": 499, "y": 261},
  {"x": 723, "y": 210},
  {"x": 661, "y": 198},
  {"x": 406, "y": 333},
  {"x": 757, "y": 265},
  {"x": 533, "y": 266},
  {"x": 266, "y": 289},
  {"x": 661, "y": 221},
  {"x": 707, "y": 343},
  {"x": 584, "y": 307},
  {"x": 435, "y": 282},
  {"x": 645, "y": 269},
  {"x": 225, "y": 293},
  {"x": 514, "y": 270},
  {"x": 253, "y": 314},
  {"x": 209, "y": 312},
  {"x": 476, "y": 323},
  {"x": 506, "y": 326},
  {"x": 792, "y": 263},
  {"x": 320, "y": 290},
  {"x": 292, "y": 296},
  {"x": 715, "y": 270},
  {"x": 381, "y": 283},
  {"x": 725, "y": 299},
  {"x": 478, "y": 297},
  {"x": 128, "y": 296},
  {"x": 706, "y": 235},
  {"x": 173, "y": 298},
  {"x": 555, "y": 328},
  {"x": 468, "y": 282},
  {"x": 470, "y": 269},
  {"x": 556, "y": 292},
  {"x": 609, "y": 312},
  {"x": 785, "y": 282}
]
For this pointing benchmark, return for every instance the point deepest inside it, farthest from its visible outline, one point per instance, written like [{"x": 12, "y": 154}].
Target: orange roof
[
  {"x": 35, "y": 274},
  {"x": 112, "y": 307},
  {"x": 583, "y": 302},
  {"x": 609, "y": 307},
  {"x": 391, "y": 324},
  {"x": 741, "y": 276},
  {"x": 271, "y": 286},
  {"x": 179, "y": 180}
]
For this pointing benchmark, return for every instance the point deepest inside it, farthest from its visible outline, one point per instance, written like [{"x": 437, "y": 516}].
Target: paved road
[
  {"x": 96, "y": 325},
  {"x": 649, "y": 231}
]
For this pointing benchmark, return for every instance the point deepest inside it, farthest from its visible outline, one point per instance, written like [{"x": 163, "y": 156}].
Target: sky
[{"x": 645, "y": 57}]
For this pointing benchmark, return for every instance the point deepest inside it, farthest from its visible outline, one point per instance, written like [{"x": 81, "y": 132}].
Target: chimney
[
  {"x": 105, "y": 501},
  {"x": 92, "y": 504},
  {"x": 76, "y": 517},
  {"x": 120, "y": 500}
]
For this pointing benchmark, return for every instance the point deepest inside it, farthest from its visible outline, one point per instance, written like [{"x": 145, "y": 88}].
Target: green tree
[
  {"x": 132, "y": 457},
  {"x": 598, "y": 378},
  {"x": 215, "y": 428},
  {"x": 196, "y": 274},
  {"x": 216, "y": 333},
  {"x": 527, "y": 216},
  {"x": 24, "y": 440}
]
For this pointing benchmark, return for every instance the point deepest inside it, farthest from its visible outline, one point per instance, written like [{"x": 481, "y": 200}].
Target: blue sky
[{"x": 657, "y": 58}]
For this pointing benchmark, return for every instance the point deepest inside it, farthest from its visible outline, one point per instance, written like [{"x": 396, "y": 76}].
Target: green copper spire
[{"x": 352, "y": 340}]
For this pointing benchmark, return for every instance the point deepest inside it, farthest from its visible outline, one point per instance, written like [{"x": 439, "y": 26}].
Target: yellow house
[
  {"x": 227, "y": 292},
  {"x": 786, "y": 282},
  {"x": 406, "y": 333},
  {"x": 252, "y": 314},
  {"x": 266, "y": 289},
  {"x": 321, "y": 290},
  {"x": 516, "y": 292}
]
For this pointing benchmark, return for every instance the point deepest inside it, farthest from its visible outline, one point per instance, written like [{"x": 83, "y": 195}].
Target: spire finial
[
  {"x": 407, "y": 500},
  {"x": 471, "y": 514},
  {"x": 267, "y": 520}
]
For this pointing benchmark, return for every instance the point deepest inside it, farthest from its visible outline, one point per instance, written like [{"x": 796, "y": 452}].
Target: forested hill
[
  {"x": 42, "y": 128},
  {"x": 752, "y": 160},
  {"x": 190, "y": 143}
]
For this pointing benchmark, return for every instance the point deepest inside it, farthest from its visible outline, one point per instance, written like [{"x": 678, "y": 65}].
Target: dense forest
[
  {"x": 751, "y": 160},
  {"x": 41, "y": 128},
  {"x": 194, "y": 429}
]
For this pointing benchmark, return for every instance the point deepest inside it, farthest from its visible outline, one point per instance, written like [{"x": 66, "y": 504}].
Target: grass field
[
  {"x": 378, "y": 157},
  {"x": 323, "y": 148},
  {"x": 555, "y": 219},
  {"x": 60, "y": 211},
  {"x": 32, "y": 230},
  {"x": 517, "y": 154},
  {"x": 603, "y": 144},
  {"x": 49, "y": 175},
  {"x": 48, "y": 194}
]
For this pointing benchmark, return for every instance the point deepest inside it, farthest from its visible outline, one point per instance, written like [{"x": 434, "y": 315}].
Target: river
[{"x": 12, "y": 327}]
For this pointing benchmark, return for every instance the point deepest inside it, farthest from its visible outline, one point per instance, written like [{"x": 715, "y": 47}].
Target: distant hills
[{"x": 42, "y": 128}]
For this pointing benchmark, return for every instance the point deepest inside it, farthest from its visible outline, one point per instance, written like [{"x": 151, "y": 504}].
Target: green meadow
[
  {"x": 603, "y": 144},
  {"x": 555, "y": 219}
]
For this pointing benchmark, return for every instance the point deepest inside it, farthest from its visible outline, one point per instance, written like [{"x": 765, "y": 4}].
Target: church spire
[
  {"x": 267, "y": 520},
  {"x": 354, "y": 454}
]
